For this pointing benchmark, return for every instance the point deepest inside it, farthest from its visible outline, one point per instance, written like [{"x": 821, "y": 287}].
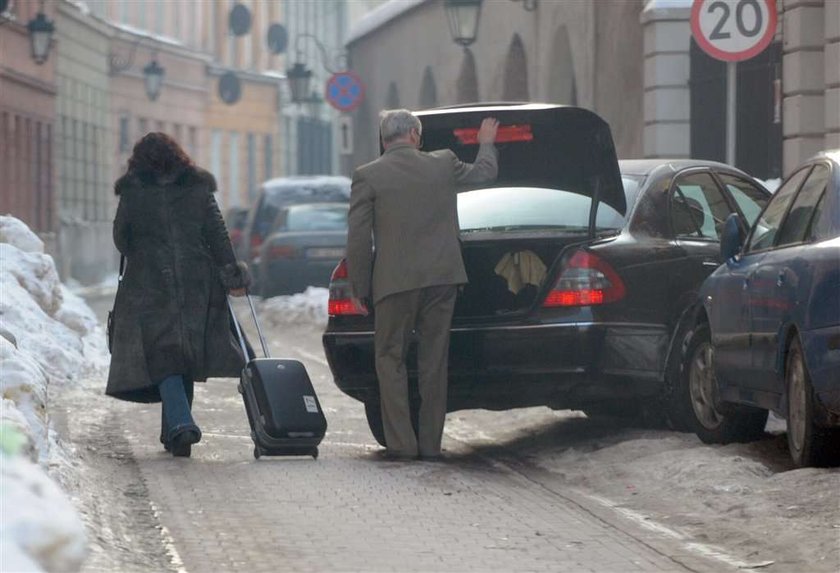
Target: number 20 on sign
[{"x": 733, "y": 30}]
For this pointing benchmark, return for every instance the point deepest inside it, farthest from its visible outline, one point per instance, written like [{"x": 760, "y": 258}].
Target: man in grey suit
[{"x": 405, "y": 203}]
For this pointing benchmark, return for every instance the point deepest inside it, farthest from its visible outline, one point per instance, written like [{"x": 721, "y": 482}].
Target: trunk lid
[{"x": 540, "y": 145}]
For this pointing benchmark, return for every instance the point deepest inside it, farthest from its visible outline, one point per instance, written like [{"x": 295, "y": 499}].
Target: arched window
[
  {"x": 428, "y": 90},
  {"x": 516, "y": 72},
  {"x": 562, "y": 87},
  {"x": 467, "y": 84}
]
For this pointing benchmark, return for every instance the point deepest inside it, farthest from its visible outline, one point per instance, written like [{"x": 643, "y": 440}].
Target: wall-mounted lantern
[
  {"x": 153, "y": 75},
  {"x": 40, "y": 36},
  {"x": 463, "y": 16}
]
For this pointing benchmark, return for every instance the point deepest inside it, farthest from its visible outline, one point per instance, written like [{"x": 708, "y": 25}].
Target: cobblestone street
[{"x": 222, "y": 510}]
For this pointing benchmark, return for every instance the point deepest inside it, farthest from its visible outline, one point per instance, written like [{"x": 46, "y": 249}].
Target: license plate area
[{"x": 325, "y": 253}]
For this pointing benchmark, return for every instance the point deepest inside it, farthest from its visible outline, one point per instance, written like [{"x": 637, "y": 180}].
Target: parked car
[
  {"x": 235, "y": 219},
  {"x": 767, "y": 326},
  {"x": 274, "y": 195},
  {"x": 599, "y": 329},
  {"x": 307, "y": 242}
]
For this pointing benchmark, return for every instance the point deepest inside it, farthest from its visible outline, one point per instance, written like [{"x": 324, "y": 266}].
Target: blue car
[{"x": 767, "y": 327}]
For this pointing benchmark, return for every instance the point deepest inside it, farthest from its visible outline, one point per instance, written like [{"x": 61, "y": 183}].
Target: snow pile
[
  {"x": 308, "y": 307},
  {"x": 39, "y": 529},
  {"x": 48, "y": 338}
]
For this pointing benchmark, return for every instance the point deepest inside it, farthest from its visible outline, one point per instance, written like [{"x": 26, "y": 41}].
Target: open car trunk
[
  {"x": 558, "y": 184},
  {"x": 498, "y": 282}
]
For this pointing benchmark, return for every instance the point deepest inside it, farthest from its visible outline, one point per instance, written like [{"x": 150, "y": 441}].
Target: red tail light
[
  {"x": 340, "y": 272},
  {"x": 586, "y": 280},
  {"x": 505, "y": 134},
  {"x": 341, "y": 302}
]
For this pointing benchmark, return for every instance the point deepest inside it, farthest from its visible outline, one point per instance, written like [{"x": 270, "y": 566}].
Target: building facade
[
  {"x": 27, "y": 123},
  {"x": 82, "y": 144},
  {"x": 561, "y": 52},
  {"x": 242, "y": 141},
  {"x": 632, "y": 61}
]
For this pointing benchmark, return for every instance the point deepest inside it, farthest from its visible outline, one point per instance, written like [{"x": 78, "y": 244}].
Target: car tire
[
  {"x": 374, "y": 419},
  {"x": 713, "y": 423},
  {"x": 677, "y": 397},
  {"x": 809, "y": 444}
]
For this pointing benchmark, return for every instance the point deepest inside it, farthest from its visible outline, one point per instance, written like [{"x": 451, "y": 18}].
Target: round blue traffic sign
[{"x": 345, "y": 91}]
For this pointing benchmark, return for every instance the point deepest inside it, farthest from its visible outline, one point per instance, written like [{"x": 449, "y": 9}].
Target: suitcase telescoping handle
[{"x": 239, "y": 329}]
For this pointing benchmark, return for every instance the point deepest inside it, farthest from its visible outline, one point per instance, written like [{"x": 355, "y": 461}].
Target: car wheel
[
  {"x": 374, "y": 419},
  {"x": 711, "y": 423},
  {"x": 809, "y": 444},
  {"x": 677, "y": 399}
]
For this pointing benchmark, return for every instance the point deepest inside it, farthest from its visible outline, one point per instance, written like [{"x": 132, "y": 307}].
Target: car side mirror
[{"x": 732, "y": 238}]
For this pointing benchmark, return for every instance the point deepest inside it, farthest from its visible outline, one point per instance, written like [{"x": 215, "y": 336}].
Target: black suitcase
[{"x": 283, "y": 410}]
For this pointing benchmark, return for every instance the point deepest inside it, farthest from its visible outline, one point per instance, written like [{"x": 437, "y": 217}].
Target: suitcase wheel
[
  {"x": 257, "y": 452},
  {"x": 314, "y": 453},
  {"x": 239, "y": 387}
]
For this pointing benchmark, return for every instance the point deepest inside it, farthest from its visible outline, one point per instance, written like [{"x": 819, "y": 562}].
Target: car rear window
[
  {"x": 314, "y": 218},
  {"x": 513, "y": 209}
]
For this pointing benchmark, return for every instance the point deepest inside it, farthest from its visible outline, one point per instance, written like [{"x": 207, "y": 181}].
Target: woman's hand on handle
[{"x": 238, "y": 292}]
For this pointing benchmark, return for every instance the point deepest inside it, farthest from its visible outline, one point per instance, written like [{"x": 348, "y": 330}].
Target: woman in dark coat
[{"x": 171, "y": 320}]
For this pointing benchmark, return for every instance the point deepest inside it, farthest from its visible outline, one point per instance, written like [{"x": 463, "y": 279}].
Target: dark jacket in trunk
[{"x": 170, "y": 314}]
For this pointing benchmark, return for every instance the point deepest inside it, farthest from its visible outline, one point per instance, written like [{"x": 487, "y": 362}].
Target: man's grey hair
[{"x": 397, "y": 123}]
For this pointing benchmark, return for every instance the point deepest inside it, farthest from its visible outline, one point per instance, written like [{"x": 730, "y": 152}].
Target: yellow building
[{"x": 242, "y": 140}]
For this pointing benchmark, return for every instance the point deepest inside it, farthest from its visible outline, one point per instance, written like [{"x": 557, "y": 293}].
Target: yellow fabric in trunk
[{"x": 520, "y": 269}]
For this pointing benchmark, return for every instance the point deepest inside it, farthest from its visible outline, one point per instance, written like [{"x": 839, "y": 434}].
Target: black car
[
  {"x": 307, "y": 242},
  {"x": 611, "y": 263}
]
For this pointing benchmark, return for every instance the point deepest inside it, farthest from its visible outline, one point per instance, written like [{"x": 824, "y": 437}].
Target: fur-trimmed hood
[{"x": 191, "y": 176}]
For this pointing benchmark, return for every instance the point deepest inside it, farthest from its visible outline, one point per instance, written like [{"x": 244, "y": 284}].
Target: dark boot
[
  {"x": 179, "y": 431},
  {"x": 189, "y": 388}
]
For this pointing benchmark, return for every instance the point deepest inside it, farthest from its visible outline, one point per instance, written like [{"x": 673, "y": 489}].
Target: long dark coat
[{"x": 170, "y": 314}]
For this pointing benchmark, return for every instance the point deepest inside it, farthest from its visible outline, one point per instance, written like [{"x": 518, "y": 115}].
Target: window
[
  {"x": 821, "y": 225},
  {"x": 125, "y": 136},
  {"x": 159, "y": 16},
  {"x": 798, "y": 221},
  {"x": 178, "y": 134},
  {"x": 234, "y": 169},
  {"x": 252, "y": 167},
  {"x": 216, "y": 157},
  {"x": 515, "y": 209},
  {"x": 193, "y": 142},
  {"x": 748, "y": 197},
  {"x": 698, "y": 208},
  {"x": 316, "y": 218},
  {"x": 764, "y": 231},
  {"x": 268, "y": 150}
]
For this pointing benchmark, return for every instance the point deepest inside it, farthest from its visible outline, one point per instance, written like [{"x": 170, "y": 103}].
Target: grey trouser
[{"x": 429, "y": 312}]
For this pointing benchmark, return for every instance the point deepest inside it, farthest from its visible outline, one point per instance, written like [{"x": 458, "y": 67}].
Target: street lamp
[
  {"x": 40, "y": 36},
  {"x": 153, "y": 75},
  {"x": 299, "y": 77},
  {"x": 463, "y": 18}
]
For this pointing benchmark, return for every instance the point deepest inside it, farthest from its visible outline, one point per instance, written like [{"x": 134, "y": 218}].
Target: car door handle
[
  {"x": 711, "y": 263},
  {"x": 780, "y": 279}
]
